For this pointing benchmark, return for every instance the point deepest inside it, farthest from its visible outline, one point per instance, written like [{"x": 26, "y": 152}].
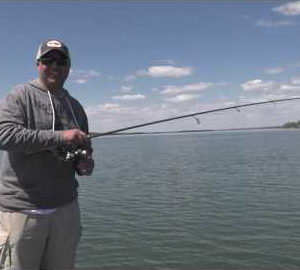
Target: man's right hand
[{"x": 74, "y": 137}]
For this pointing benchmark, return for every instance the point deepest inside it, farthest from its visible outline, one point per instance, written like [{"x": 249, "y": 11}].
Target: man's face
[{"x": 53, "y": 69}]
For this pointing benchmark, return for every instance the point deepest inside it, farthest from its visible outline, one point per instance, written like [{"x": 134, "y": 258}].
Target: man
[{"x": 39, "y": 214}]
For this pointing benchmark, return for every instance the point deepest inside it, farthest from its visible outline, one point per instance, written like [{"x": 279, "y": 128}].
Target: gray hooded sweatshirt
[{"x": 31, "y": 120}]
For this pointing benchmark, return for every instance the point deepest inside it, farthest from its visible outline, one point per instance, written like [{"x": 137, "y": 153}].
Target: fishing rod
[
  {"x": 71, "y": 155},
  {"x": 100, "y": 134}
]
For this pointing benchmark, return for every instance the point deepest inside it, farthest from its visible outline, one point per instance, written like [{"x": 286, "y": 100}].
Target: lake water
[{"x": 216, "y": 200}]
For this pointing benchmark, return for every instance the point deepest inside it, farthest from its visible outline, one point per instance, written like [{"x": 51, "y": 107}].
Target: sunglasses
[{"x": 59, "y": 62}]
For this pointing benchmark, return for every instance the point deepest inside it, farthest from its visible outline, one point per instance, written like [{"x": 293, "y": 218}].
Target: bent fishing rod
[
  {"x": 100, "y": 134},
  {"x": 74, "y": 154}
]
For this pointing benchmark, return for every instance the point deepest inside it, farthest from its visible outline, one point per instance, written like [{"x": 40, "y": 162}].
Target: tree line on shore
[{"x": 295, "y": 124}]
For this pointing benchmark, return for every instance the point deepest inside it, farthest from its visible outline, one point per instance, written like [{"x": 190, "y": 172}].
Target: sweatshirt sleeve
[{"x": 14, "y": 134}]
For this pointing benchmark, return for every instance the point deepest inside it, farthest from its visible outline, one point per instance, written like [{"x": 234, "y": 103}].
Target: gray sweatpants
[{"x": 40, "y": 241}]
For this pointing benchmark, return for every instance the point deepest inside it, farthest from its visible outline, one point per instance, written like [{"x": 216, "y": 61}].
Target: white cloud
[
  {"x": 295, "y": 80},
  {"x": 289, "y": 87},
  {"x": 166, "y": 71},
  {"x": 129, "y": 78},
  {"x": 118, "y": 113},
  {"x": 259, "y": 85},
  {"x": 155, "y": 89},
  {"x": 264, "y": 97},
  {"x": 81, "y": 76},
  {"x": 92, "y": 73},
  {"x": 110, "y": 77},
  {"x": 129, "y": 97},
  {"x": 163, "y": 62},
  {"x": 81, "y": 81},
  {"x": 126, "y": 89},
  {"x": 196, "y": 87},
  {"x": 109, "y": 106},
  {"x": 273, "y": 24},
  {"x": 274, "y": 70},
  {"x": 110, "y": 116},
  {"x": 289, "y": 9},
  {"x": 182, "y": 98},
  {"x": 296, "y": 65},
  {"x": 262, "y": 88}
]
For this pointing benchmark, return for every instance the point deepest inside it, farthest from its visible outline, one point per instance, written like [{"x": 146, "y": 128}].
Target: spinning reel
[
  {"x": 70, "y": 154},
  {"x": 76, "y": 155}
]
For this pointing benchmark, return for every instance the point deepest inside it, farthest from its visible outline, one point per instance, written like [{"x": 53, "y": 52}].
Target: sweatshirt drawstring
[
  {"x": 53, "y": 111},
  {"x": 72, "y": 111}
]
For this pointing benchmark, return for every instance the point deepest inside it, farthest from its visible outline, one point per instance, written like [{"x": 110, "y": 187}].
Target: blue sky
[{"x": 140, "y": 61}]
